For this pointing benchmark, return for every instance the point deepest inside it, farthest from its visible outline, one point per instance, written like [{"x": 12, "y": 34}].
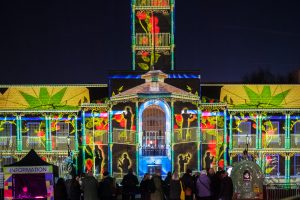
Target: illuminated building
[{"x": 153, "y": 117}]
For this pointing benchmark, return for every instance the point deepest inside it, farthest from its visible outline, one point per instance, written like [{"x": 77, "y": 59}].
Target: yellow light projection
[
  {"x": 44, "y": 97},
  {"x": 124, "y": 162},
  {"x": 261, "y": 96},
  {"x": 183, "y": 160}
]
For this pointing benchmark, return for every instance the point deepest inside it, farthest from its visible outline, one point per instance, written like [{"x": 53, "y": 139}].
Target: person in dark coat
[
  {"x": 75, "y": 191},
  {"x": 226, "y": 190},
  {"x": 214, "y": 184},
  {"x": 175, "y": 187},
  {"x": 129, "y": 184},
  {"x": 90, "y": 187},
  {"x": 145, "y": 187},
  {"x": 107, "y": 187},
  {"x": 60, "y": 190},
  {"x": 157, "y": 192},
  {"x": 167, "y": 184},
  {"x": 188, "y": 184}
]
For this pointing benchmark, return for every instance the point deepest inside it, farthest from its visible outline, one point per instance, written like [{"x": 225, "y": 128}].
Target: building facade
[{"x": 153, "y": 117}]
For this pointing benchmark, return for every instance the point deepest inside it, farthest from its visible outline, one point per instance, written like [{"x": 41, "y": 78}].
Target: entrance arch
[{"x": 154, "y": 137}]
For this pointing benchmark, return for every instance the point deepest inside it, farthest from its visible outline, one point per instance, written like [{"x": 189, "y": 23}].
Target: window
[
  {"x": 297, "y": 164},
  {"x": 272, "y": 132},
  {"x": 33, "y": 133},
  {"x": 272, "y": 165},
  {"x": 6, "y": 134},
  {"x": 297, "y": 133},
  {"x": 245, "y": 133},
  {"x": 62, "y": 132}
]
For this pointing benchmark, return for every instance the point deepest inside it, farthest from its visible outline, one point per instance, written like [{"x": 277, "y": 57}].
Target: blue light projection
[{"x": 163, "y": 161}]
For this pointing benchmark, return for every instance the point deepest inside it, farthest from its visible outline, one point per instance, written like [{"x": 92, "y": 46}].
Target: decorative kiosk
[{"x": 30, "y": 178}]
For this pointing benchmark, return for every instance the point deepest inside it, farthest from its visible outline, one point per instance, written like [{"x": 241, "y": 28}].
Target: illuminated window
[
  {"x": 297, "y": 133},
  {"x": 62, "y": 132},
  {"x": 34, "y": 133},
  {"x": 244, "y": 135},
  {"x": 33, "y": 128},
  {"x": 272, "y": 132},
  {"x": 154, "y": 127},
  {"x": 6, "y": 134},
  {"x": 272, "y": 165},
  {"x": 297, "y": 165}
]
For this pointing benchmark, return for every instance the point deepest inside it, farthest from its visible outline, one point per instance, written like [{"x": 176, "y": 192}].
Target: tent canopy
[{"x": 33, "y": 159}]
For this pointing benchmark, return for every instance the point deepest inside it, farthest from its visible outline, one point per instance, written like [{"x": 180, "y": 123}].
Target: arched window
[{"x": 154, "y": 130}]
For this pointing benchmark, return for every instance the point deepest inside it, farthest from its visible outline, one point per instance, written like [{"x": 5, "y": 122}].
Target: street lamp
[{"x": 68, "y": 143}]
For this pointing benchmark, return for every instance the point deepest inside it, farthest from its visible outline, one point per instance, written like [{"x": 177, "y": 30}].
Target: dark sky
[{"x": 69, "y": 41}]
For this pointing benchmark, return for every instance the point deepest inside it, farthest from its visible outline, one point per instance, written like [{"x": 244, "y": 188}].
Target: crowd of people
[{"x": 203, "y": 185}]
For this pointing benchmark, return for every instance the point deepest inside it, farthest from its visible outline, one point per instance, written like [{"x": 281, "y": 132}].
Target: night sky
[{"x": 69, "y": 41}]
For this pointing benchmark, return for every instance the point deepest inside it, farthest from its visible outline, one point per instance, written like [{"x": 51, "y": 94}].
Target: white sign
[{"x": 28, "y": 170}]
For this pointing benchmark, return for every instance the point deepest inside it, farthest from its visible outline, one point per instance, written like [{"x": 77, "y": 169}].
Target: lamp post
[{"x": 68, "y": 143}]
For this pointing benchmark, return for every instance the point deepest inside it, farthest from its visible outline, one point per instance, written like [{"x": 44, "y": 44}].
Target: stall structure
[{"x": 30, "y": 178}]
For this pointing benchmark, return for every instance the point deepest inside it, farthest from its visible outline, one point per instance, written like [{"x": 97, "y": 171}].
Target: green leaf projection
[
  {"x": 259, "y": 96},
  {"x": 44, "y": 100}
]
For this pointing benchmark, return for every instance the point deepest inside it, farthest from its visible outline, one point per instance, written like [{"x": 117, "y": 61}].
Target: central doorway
[
  {"x": 154, "y": 131},
  {"x": 154, "y": 137}
]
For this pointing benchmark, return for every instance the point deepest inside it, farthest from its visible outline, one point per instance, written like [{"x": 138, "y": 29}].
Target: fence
[{"x": 281, "y": 191}]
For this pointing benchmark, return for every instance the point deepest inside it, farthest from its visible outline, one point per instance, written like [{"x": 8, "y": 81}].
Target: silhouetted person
[
  {"x": 203, "y": 186},
  {"x": 183, "y": 160},
  {"x": 167, "y": 184},
  {"x": 214, "y": 184},
  {"x": 129, "y": 184},
  {"x": 98, "y": 159},
  {"x": 89, "y": 187},
  {"x": 107, "y": 187},
  {"x": 75, "y": 191},
  {"x": 188, "y": 184},
  {"x": 145, "y": 187},
  {"x": 157, "y": 186},
  {"x": 226, "y": 190},
  {"x": 208, "y": 160},
  {"x": 124, "y": 164},
  {"x": 175, "y": 187},
  {"x": 185, "y": 123},
  {"x": 60, "y": 190},
  {"x": 128, "y": 115}
]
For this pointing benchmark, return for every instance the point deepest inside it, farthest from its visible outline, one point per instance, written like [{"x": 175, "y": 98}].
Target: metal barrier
[{"x": 281, "y": 190}]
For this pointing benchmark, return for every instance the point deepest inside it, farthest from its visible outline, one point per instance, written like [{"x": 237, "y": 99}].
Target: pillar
[
  {"x": 225, "y": 140},
  {"x": 110, "y": 134},
  {"x": 172, "y": 136},
  {"x": 19, "y": 133},
  {"x": 83, "y": 140},
  {"x": 137, "y": 135},
  {"x": 199, "y": 154}
]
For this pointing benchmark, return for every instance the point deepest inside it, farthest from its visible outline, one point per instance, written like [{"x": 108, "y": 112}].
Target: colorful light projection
[
  {"x": 123, "y": 158},
  {"x": 183, "y": 161},
  {"x": 96, "y": 130},
  {"x": 183, "y": 123},
  {"x": 212, "y": 123},
  {"x": 44, "y": 98},
  {"x": 32, "y": 182},
  {"x": 164, "y": 161},
  {"x": 185, "y": 157},
  {"x": 154, "y": 35},
  {"x": 260, "y": 96},
  {"x": 124, "y": 163}
]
